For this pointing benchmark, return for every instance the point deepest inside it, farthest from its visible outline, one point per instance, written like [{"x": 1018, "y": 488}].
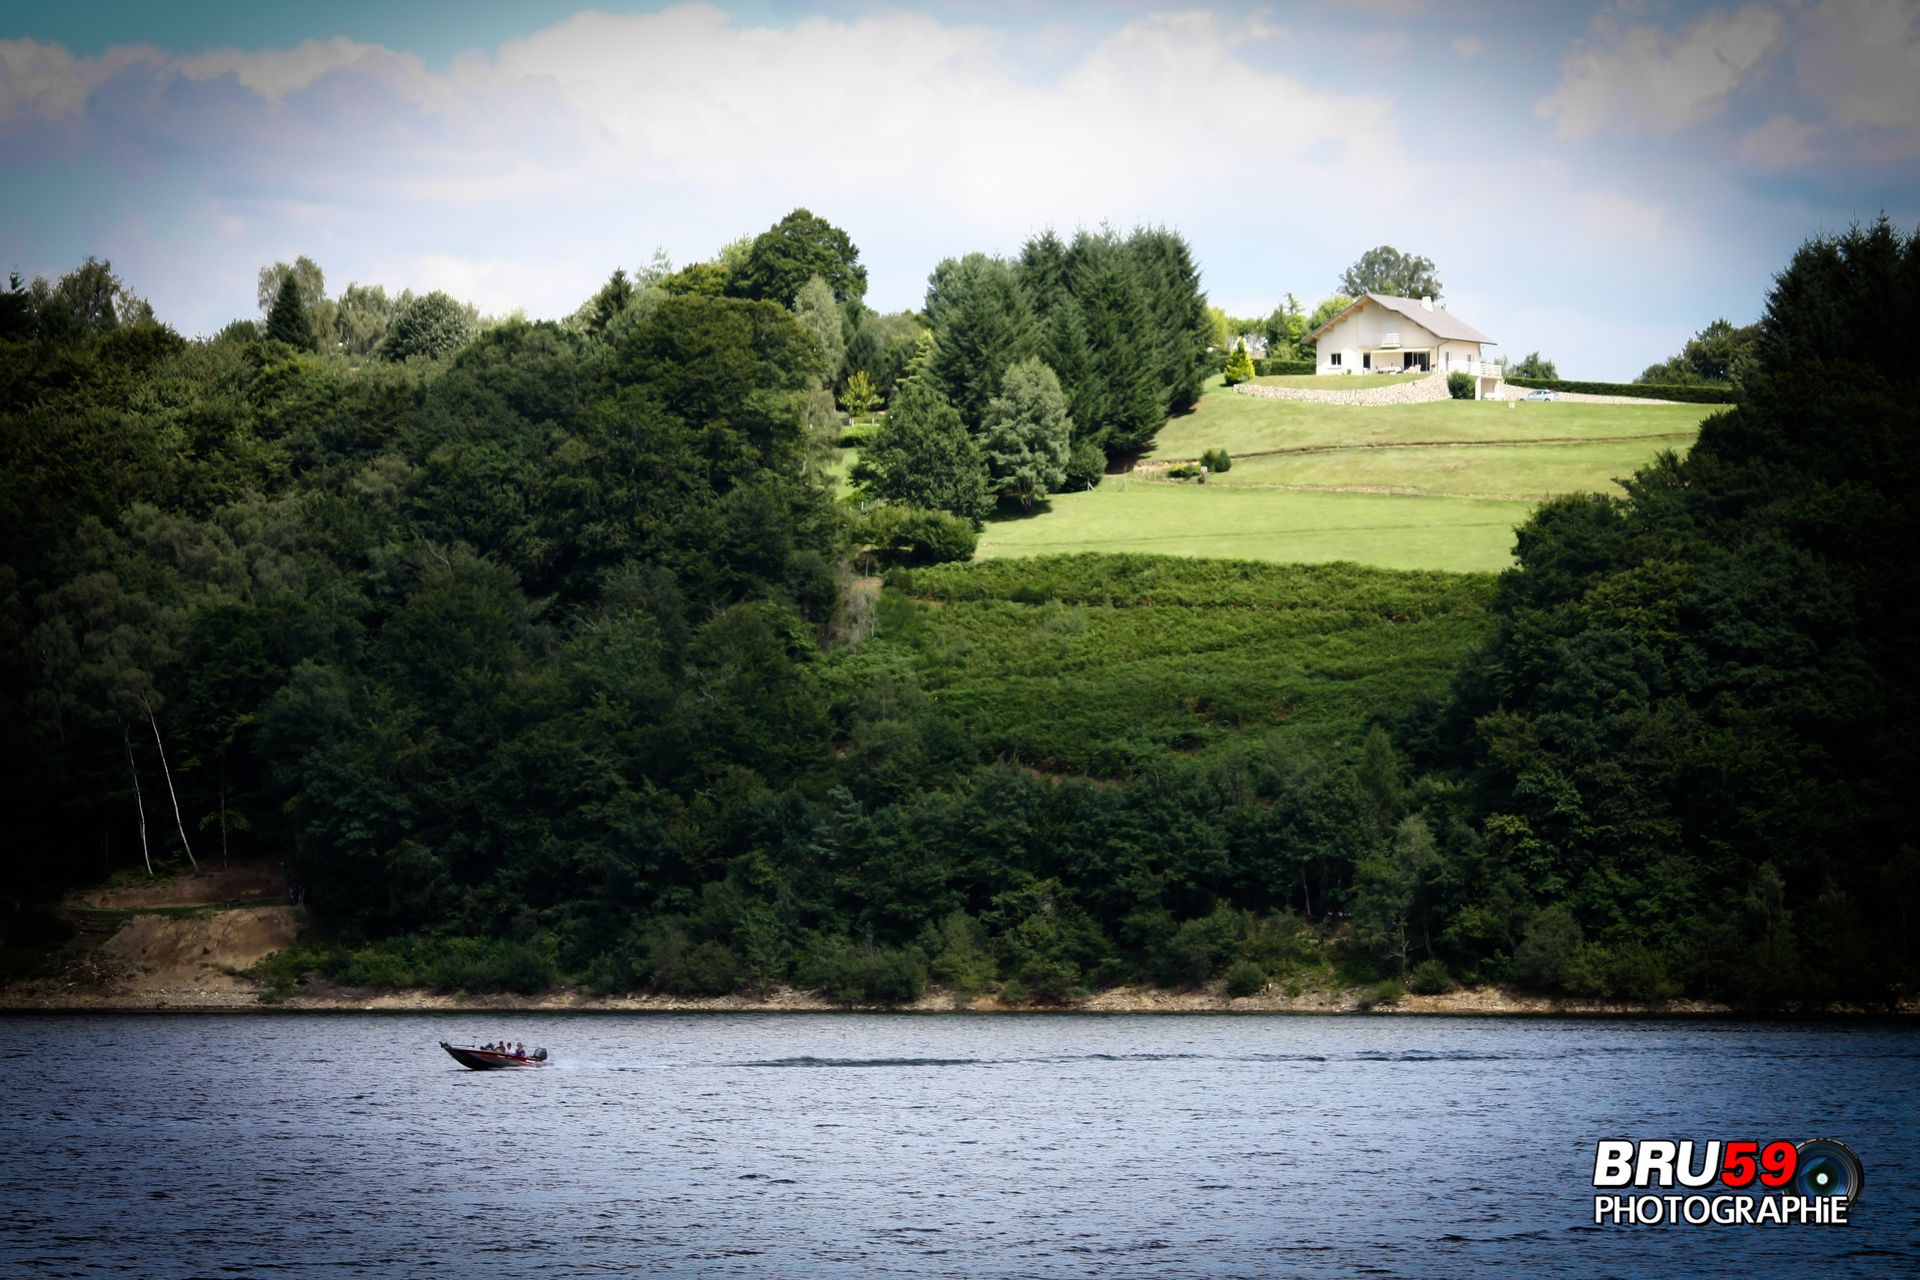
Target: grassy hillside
[
  {"x": 1434, "y": 486},
  {"x": 1097, "y": 664}
]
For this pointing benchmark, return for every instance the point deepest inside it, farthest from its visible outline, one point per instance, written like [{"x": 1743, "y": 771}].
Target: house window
[
  {"x": 1334, "y": 359},
  {"x": 1366, "y": 359}
]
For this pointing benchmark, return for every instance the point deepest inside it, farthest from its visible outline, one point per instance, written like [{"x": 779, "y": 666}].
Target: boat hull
[{"x": 489, "y": 1059}]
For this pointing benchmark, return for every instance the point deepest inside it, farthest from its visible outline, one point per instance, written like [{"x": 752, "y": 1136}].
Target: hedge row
[
  {"x": 1639, "y": 390},
  {"x": 1276, "y": 367}
]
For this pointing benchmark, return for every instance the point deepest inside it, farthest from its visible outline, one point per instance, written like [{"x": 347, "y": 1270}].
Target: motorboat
[{"x": 491, "y": 1058}]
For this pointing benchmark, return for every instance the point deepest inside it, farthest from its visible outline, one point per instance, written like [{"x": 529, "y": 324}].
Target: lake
[{"x": 949, "y": 1145}]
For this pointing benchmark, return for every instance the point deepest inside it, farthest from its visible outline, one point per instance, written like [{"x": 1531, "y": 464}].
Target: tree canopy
[
  {"x": 800, "y": 246},
  {"x": 923, "y": 456},
  {"x": 432, "y": 325},
  {"x": 1384, "y": 269},
  {"x": 1717, "y": 355}
]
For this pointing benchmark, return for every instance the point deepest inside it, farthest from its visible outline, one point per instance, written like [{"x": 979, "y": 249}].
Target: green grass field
[
  {"x": 1425, "y": 486},
  {"x": 1093, "y": 664},
  {"x": 1256, "y": 524}
]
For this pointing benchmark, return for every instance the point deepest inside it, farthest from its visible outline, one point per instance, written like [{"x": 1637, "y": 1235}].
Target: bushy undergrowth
[
  {"x": 1106, "y": 664},
  {"x": 473, "y": 965},
  {"x": 1688, "y": 393}
]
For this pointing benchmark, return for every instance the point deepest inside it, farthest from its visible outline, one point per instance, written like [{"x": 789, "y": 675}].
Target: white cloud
[
  {"x": 519, "y": 177},
  {"x": 499, "y": 286},
  {"x": 46, "y": 80},
  {"x": 275, "y": 73},
  {"x": 1469, "y": 46},
  {"x": 1861, "y": 61},
  {"x": 1642, "y": 78},
  {"x": 1782, "y": 141}
]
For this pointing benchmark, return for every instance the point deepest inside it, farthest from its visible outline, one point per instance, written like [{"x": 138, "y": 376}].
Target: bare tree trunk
[
  {"x": 223, "y": 807},
  {"x": 138, "y": 803},
  {"x": 1307, "y": 894},
  {"x": 177, "y": 819}
]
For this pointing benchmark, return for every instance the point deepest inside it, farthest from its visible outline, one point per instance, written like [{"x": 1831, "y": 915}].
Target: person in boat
[{"x": 520, "y": 1049}]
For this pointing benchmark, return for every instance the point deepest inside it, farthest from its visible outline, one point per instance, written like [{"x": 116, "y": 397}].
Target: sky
[{"x": 1592, "y": 181}]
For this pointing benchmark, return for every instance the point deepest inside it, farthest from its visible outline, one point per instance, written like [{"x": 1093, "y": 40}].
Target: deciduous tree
[{"x": 1384, "y": 269}]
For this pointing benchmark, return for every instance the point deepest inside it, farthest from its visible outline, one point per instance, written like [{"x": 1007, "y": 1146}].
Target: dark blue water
[{"x": 889, "y": 1146}]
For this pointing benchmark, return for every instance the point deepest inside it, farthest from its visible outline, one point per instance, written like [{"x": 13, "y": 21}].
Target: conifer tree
[
  {"x": 289, "y": 322},
  {"x": 1239, "y": 365},
  {"x": 1028, "y": 434}
]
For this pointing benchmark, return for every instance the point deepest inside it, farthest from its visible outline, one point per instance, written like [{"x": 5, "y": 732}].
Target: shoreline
[{"x": 239, "y": 997}]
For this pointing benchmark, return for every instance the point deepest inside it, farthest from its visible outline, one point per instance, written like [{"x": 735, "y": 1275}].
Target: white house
[{"x": 1380, "y": 333}]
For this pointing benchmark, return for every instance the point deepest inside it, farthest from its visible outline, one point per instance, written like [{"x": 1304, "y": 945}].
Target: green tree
[
  {"x": 1384, "y": 269},
  {"x": 289, "y": 321},
  {"x": 312, "y": 281},
  {"x": 1388, "y": 888},
  {"x": 982, "y": 325},
  {"x": 709, "y": 279},
  {"x": 1027, "y": 434},
  {"x": 1239, "y": 365},
  {"x": 794, "y": 250},
  {"x": 1718, "y": 354},
  {"x": 361, "y": 317},
  {"x": 861, "y": 397},
  {"x": 923, "y": 456},
  {"x": 613, "y": 297},
  {"x": 1532, "y": 366},
  {"x": 820, "y": 316},
  {"x": 433, "y": 325},
  {"x": 1284, "y": 328}
]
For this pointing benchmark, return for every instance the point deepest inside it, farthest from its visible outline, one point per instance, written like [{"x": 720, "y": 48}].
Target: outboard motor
[{"x": 540, "y": 1054}]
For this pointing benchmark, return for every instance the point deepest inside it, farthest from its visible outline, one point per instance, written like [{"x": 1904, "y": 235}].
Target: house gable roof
[{"x": 1440, "y": 322}]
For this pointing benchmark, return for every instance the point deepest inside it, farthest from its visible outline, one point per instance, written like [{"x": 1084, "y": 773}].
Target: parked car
[{"x": 1541, "y": 395}]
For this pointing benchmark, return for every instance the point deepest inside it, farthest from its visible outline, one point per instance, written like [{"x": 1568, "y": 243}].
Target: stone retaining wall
[{"x": 1413, "y": 391}]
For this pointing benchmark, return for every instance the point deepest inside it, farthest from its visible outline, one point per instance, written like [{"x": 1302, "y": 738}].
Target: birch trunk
[
  {"x": 138, "y": 802},
  {"x": 178, "y": 821}
]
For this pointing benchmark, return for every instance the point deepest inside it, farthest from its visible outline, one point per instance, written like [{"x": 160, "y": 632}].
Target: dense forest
[{"x": 536, "y": 651}]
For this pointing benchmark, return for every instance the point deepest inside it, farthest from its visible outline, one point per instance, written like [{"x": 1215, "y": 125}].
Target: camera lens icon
[{"x": 1828, "y": 1167}]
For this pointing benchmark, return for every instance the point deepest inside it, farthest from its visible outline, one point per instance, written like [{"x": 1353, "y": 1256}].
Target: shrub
[
  {"x": 961, "y": 960},
  {"x": 1246, "y": 978},
  {"x": 481, "y": 964},
  {"x": 710, "y": 969},
  {"x": 1050, "y": 981},
  {"x": 1182, "y": 472},
  {"x": 376, "y": 967},
  {"x": 1691, "y": 394},
  {"x": 1216, "y": 460},
  {"x": 1388, "y": 992},
  {"x": 917, "y": 536},
  {"x": 1280, "y": 368},
  {"x": 1239, "y": 367},
  {"x": 1546, "y": 955},
  {"x": 1429, "y": 978},
  {"x": 1460, "y": 386},
  {"x": 1085, "y": 465},
  {"x": 847, "y": 974}
]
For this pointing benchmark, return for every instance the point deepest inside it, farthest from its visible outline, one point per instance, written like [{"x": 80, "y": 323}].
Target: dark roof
[{"x": 1440, "y": 322}]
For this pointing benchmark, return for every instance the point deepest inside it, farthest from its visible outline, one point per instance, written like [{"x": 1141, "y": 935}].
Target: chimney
[{"x": 1426, "y": 303}]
